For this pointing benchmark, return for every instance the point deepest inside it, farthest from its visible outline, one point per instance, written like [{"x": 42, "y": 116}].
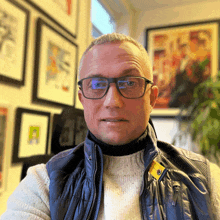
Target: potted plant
[{"x": 201, "y": 119}]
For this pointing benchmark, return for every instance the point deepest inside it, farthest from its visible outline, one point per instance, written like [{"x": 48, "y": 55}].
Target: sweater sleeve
[
  {"x": 30, "y": 200},
  {"x": 215, "y": 190}
]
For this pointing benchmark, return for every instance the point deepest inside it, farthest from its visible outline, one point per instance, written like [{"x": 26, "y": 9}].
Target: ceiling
[
  {"x": 123, "y": 6},
  {"x": 146, "y": 5}
]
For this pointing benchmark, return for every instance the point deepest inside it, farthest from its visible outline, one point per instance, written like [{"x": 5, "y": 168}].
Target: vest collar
[{"x": 150, "y": 152}]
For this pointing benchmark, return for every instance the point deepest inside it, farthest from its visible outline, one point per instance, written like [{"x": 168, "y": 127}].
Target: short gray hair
[{"x": 114, "y": 38}]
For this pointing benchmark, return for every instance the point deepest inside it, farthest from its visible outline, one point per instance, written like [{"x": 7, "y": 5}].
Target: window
[{"x": 102, "y": 21}]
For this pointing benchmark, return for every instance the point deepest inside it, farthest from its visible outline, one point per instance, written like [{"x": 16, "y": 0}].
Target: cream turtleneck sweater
[
  {"x": 122, "y": 180},
  {"x": 120, "y": 199}
]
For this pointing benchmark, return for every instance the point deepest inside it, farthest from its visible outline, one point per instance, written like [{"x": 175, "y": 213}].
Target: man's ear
[
  {"x": 80, "y": 96},
  {"x": 153, "y": 96}
]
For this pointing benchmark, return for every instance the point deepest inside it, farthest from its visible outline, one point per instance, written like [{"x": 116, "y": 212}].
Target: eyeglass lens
[{"x": 129, "y": 87}]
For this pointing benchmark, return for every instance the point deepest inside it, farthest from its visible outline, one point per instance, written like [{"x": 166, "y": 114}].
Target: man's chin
[{"x": 115, "y": 139}]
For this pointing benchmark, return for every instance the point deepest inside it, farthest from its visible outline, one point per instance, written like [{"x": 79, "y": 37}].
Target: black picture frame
[
  {"x": 69, "y": 129},
  {"x": 55, "y": 69},
  {"x": 64, "y": 22},
  {"x": 175, "y": 49},
  {"x": 14, "y": 45},
  {"x": 31, "y": 134}
]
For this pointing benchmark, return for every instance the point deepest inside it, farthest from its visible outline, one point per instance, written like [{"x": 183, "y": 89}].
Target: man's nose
[{"x": 113, "y": 99}]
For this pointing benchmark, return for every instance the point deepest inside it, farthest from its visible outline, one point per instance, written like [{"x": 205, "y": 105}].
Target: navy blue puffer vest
[{"x": 183, "y": 192}]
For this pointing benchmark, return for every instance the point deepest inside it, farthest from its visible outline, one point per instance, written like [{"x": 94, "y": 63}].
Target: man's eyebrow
[
  {"x": 127, "y": 72},
  {"x": 130, "y": 72},
  {"x": 96, "y": 75}
]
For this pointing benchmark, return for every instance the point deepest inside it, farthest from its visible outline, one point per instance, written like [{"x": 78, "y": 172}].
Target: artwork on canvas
[
  {"x": 67, "y": 135},
  {"x": 55, "y": 67},
  {"x": 69, "y": 129},
  {"x": 8, "y": 39},
  {"x": 31, "y": 134},
  {"x": 13, "y": 41},
  {"x": 81, "y": 128},
  {"x": 34, "y": 135},
  {"x": 183, "y": 56},
  {"x": 66, "y": 9},
  {"x": 58, "y": 68},
  {"x": 65, "y": 6}
]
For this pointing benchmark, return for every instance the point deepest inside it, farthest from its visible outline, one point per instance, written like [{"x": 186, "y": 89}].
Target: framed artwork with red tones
[
  {"x": 182, "y": 56},
  {"x": 63, "y": 13}
]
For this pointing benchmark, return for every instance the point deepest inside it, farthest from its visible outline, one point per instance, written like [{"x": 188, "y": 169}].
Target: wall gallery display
[
  {"x": 4, "y": 118},
  {"x": 31, "y": 134},
  {"x": 66, "y": 9},
  {"x": 183, "y": 56},
  {"x": 14, "y": 21},
  {"x": 55, "y": 67}
]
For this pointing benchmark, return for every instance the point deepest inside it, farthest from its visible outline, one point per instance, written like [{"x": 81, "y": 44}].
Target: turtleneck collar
[{"x": 121, "y": 150}]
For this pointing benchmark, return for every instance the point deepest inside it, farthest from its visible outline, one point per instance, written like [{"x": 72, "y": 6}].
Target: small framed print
[
  {"x": 55, "y": 67},
  {"x": 69, "y": 129},
  {"x": 4, "y": 120},
  {"x": 183, "y": 56},
  {"x": 14, "y": 22},
  {"x": 31, "y": 134},
  {"x": 80, "y": 128},
  {"x": 66, "y": 9}
]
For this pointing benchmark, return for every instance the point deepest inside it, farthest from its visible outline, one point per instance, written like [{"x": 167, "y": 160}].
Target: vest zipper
[
  {"x": 176, "y": 188},
  {"x": 143, "y": 185},
  {"x": 93, "y": 202},
  {"x": 142, "y": 189}
]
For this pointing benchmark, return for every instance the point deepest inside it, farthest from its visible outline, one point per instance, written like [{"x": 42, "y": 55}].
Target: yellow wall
[{"x": 21, "y": 97}]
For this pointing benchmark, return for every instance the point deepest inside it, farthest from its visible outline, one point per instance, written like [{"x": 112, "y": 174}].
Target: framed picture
[
  {"x": 80, "y": 128},
  {"x": 14, "y": 22},
  {"x": 55, "y": 67},
  {"x": 4, "y": 120},
  {"x": 69, "y": 129},
  {"x": 66, "y": 9},
  {"x": 31, "y": 134},
  {"x": 182, "y": 56},
  {"x": 167, "y": 129}
]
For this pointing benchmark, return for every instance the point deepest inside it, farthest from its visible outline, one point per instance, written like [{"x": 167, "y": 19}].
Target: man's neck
[{"x": 121, "y": 150}]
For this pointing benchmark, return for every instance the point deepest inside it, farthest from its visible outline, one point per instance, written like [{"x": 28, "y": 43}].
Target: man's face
[{"x": 114, "y": 119}]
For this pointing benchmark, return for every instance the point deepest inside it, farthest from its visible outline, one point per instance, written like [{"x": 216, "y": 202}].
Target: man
[{"x": 121, "y": 171}]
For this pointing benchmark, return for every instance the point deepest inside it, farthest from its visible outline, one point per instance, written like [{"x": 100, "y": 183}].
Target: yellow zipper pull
[{"x": 157, "y": 170}]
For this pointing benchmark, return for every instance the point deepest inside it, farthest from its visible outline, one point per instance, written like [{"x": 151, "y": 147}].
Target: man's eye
[
  {"x": 130, "y": 83},
  {"x": 124, "y": 84},
  {"x": 99, "y": 85}
]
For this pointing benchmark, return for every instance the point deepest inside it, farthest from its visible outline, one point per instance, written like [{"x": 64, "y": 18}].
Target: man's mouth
[{"x": 114, "y": 120}]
